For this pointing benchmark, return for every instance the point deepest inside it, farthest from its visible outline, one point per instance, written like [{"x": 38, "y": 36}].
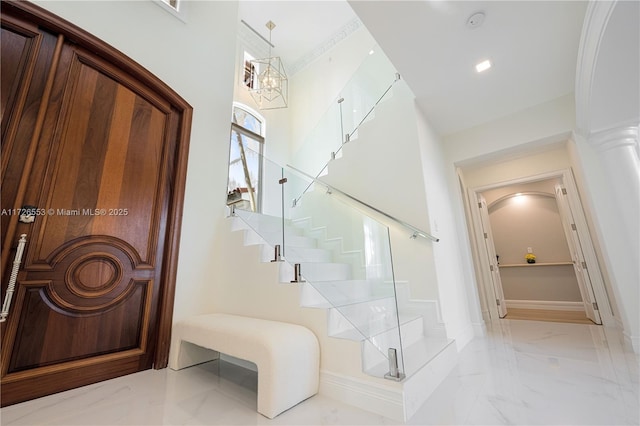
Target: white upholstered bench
[{"x": 287, "y": 355}]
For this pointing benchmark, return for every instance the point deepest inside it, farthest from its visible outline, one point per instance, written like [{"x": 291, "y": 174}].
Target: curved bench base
[{"x": 287, "y": 355}]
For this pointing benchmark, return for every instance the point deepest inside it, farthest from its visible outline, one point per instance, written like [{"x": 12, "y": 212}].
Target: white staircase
[
  {"x": 357, "y": 309},
  {"x": 325, "y": 237}
]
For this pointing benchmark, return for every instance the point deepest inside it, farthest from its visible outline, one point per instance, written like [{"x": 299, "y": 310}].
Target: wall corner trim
[{"x": 595, "y": 24}]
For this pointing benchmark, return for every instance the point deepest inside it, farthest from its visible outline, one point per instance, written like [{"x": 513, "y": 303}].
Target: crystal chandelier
[{"x": 269, "y": 84}]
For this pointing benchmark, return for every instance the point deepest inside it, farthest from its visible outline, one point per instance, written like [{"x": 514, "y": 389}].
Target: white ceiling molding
[
  {"x": 252, "y": 42},
  {"x": 325, "y": 46},
  {"x": 595, "y": 24}
]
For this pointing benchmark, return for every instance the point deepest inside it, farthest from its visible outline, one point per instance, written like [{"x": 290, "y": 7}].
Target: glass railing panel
[
  {"x": 315, "y": 152},
  {"x": 265, "y": 215},
  {"x": 354, "y": 105},
  {"x": 355, "y": 275},
  {"x": 341, "y": 252},
  {"x": 365, "y": 89}
]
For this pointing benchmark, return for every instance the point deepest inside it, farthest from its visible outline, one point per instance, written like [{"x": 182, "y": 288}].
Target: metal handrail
[{"x": 416, "y": 231}]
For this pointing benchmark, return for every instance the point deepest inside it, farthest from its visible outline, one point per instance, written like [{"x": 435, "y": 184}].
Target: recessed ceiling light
[
  {"x": 483, "y": 66},
  {"x": 371, "y": 52}
]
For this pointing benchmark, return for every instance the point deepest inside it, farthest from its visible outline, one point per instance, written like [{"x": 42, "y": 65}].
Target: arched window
[{"x": 245, "y": 159}]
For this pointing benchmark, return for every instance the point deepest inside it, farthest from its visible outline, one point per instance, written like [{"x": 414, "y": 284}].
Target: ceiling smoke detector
[{"x": 475, "y": 20}]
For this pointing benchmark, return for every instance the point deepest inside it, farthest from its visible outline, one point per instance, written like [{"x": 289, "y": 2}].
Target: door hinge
[
  {"x": 573, "y": 227},
  {"x": 564, "y": 191},
  {"x": 491, "y": 268},
  {"x": 595, "y": 306},
  {"x": 498, "y": 302},
  {"x": 584, "y": 265},
  {"x": 485, "y": 236},
  {"x": 479, "y": 205}
]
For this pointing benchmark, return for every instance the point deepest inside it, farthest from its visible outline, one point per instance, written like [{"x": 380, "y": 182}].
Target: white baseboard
[
  {"x": 479, "y": 329},
  {"x": 632, "y": 342},
  {"x": 464, "y": 336},
  {"x": 367, "y": 395},
  {"x": 635, "y": 344},
  {"x": 545, "y": 304},
  {"x": 398, "y": 401}
]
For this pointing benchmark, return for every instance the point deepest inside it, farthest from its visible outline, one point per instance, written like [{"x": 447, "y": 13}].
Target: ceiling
[
  {"x": 301, "y": 25},
  {"x": 533, "y": 46}
]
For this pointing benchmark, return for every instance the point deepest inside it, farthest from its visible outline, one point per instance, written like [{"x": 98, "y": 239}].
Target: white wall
[
  {"x": 195, "y": 58},
  {"x": 525, "y": 130},
  {"x": 457, "y": 292},
  {"x": 555, "y": 157}
]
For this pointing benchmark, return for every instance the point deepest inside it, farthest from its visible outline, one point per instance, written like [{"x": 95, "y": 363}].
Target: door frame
[
  {"x": 490, "y": 269},
  {"x": 482, "y": 260},
  {"x": 577, "y": 256}
]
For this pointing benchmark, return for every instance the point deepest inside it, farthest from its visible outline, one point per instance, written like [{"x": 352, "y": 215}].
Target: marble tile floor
[{"x": 520, "y": 373}]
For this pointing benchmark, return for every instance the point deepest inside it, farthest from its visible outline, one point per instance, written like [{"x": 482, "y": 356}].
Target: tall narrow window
[
  {"x": 173, "y": 3},
  {"x": 250, "y": 73},
  {"x": 245, "y": 160}
]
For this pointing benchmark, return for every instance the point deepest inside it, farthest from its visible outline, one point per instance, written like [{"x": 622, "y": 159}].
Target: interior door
[
  {"x": 577, "y": 256},
  {"x": 492, "y": 259},
  {"x": 97, "y": 157}
]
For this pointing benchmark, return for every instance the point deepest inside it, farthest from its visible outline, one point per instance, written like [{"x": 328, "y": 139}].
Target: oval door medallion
[{"x": 94, "y": 275}]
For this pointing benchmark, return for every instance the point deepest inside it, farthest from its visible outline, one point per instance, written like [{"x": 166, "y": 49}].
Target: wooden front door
[{"x": 96, "y": 148}]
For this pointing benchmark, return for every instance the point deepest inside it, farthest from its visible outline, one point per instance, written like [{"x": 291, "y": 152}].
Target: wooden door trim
[
  {"x": 70, "y": 32},
  {"x": 77, "y": 35},
  {"x": 165, "y": 318}
]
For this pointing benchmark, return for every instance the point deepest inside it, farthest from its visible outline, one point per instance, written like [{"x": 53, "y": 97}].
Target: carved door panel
[{"x": 92, "y": 298}]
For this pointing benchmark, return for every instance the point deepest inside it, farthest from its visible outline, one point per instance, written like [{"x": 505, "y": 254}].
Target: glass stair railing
[
  {"x": 370, "y": 84},
  {"x": 340, "y": 256},
  {"x": 329, "y": 242}
]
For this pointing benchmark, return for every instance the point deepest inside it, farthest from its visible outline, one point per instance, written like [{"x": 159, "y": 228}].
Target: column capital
[{"x": 617, "y": 137}]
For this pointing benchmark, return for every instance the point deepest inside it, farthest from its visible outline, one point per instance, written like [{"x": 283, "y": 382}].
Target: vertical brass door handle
[{"x": 12, "y": 278}]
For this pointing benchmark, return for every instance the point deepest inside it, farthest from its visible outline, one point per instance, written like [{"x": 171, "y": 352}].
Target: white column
[{"x": 618, "y": 150}]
